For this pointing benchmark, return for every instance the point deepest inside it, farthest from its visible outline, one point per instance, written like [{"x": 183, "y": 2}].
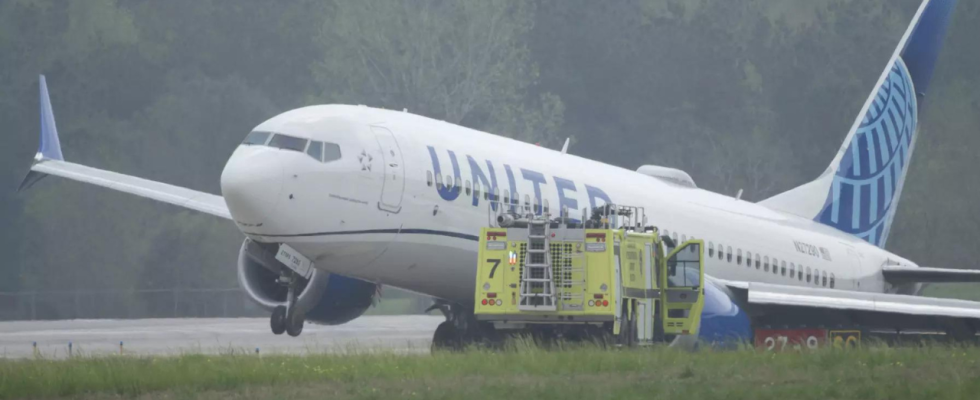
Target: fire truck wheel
[
  {"x": 597, "y": 336},
  {"x": 627, "y": 330}
]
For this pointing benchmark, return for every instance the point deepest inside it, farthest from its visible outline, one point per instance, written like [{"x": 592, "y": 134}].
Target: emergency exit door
[{"x": 394, "y": 170}]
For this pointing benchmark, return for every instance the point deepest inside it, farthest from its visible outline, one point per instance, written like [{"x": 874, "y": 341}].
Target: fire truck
[{"x": 608, "y": 276}]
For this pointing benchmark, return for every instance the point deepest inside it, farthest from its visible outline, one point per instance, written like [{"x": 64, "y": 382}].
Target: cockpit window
[
  {"x": 288, "y": 142},
  {"x": 315, "y": 150},
  {"x": 256, "y": 137},
  {"x": 331, "y": 152}
]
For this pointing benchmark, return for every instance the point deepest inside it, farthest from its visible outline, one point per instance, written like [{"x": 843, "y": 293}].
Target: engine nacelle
[{"x": 328, "y": 299}]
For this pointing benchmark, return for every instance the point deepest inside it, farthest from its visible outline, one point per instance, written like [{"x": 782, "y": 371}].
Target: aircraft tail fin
[
  {"x": 49, "y": 147},
  {"x": 859, "y": 191}
]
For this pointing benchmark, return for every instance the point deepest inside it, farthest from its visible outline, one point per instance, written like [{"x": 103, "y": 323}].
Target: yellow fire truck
[{"x": 607, "y": 275}]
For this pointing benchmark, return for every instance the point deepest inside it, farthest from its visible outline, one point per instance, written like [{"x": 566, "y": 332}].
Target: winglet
[
  {"x": 49, "y": 147},
  {"x": 564, "y": 148}
]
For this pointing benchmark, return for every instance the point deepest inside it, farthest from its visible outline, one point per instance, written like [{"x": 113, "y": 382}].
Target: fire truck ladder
[{"x": 537, "y": 283}]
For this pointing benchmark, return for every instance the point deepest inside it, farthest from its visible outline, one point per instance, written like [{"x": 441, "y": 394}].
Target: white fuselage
[{"x": 377, "y": 213}]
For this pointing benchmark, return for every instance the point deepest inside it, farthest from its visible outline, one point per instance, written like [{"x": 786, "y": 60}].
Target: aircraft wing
[
  {"x": 843, "y": 307},
  {"x": 898, "y": 274},
  {"x": 178, "y": 196},
  {"x": 50, "y": 161}
]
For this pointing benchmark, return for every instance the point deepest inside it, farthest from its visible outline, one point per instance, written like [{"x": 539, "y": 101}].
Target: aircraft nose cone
[{"x": 251, "y": 184}]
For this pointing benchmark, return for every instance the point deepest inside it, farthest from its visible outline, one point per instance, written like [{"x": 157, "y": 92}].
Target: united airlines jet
[{"x": 336, "y": 200}]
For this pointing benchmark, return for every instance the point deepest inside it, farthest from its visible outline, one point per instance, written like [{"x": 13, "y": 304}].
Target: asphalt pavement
[{"x": 410, "y": 333}]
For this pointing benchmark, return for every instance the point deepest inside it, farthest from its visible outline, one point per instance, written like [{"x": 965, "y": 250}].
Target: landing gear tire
[
  {"x": 278, "y": 320},
  {"x": 446, "y": 338},
  {"x": 294, "y": 324},
  {"x": 627, "y": 329}
]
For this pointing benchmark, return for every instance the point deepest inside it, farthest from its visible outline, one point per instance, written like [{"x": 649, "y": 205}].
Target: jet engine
[{"x": 327, "y": 298}]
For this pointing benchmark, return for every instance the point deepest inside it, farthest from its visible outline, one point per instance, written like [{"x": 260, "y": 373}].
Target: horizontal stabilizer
[
  {"x": 763, "y": 294},
  {"x": 897, "y": 275}
]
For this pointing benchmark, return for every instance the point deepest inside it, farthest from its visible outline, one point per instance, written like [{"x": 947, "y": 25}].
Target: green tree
[{"x": 464, "y": 62}]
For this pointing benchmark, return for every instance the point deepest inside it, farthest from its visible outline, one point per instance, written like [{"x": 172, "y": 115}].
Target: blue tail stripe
[
  {"x": 883, "y": 146},
  {"x": 869, "y": 165}
]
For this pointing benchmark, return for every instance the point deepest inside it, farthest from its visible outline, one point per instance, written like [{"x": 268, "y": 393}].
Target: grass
[{"x": 934, "y": 372}]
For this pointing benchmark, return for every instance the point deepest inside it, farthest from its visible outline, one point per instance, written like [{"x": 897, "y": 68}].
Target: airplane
[{"x": 336, "y": 200}]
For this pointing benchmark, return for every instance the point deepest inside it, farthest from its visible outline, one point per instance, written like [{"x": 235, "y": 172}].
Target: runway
[{"x": 212, "y": 335}]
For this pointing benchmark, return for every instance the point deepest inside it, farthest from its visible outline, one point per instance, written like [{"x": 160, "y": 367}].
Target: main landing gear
[
  {"x": 288, "y": 318},
  {"x": 461, "y": 329}
]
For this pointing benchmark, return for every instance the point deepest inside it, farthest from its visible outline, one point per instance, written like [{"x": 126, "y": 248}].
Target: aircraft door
[
  {"x": 682, "y": 290},
  {"x": 394, "y": 170}
]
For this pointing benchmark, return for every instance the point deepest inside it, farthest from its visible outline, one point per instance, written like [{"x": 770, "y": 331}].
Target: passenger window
[
  {"x": 449, "y": 182},
  {"x": 782, "y": 269},
  {"x": 496, "y": 195},
  {"x": 507, "y": 196},
  {"x": 792, "y": 270},
  {"x": 476, "y": 189},
  {"x": 765, "y": 262},
  {"x": 738, "y": 260},
  {"x": 315, "y": 150},
  {"x": 823, "y": 277},
  {"x": 683, "y": 239},
  {"x": 831, "y": 280},
  {"x": 468, "y": 189},
  {"x": 809, "y": 274},
  {"x": 288, "y": 142},
  {"x": 729, "y": 251},
  {"x": 459, "y": 184},
  {"x": 331, "y": 152},
  {"x": 748, "y": 259},
  {"x": 758, "y": 261},
  {"x": 547, "y": 210},
  {"x": 428, "y": 178},
  {"x": 527, "y": 203},
  {"x": 257, "y": 137},
  {"x": 439, "y": 182},
  {"x": 775, "y": 264},
  {"x": 799, "y": 275},
  {"x": 721, "y": 251},
  {"x": 711, "y": 249}
]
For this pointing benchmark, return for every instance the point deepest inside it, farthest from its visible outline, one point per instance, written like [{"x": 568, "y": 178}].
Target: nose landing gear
[
  {"x": 278, "y": 320},
  {"x": 288, "y": 318}
]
